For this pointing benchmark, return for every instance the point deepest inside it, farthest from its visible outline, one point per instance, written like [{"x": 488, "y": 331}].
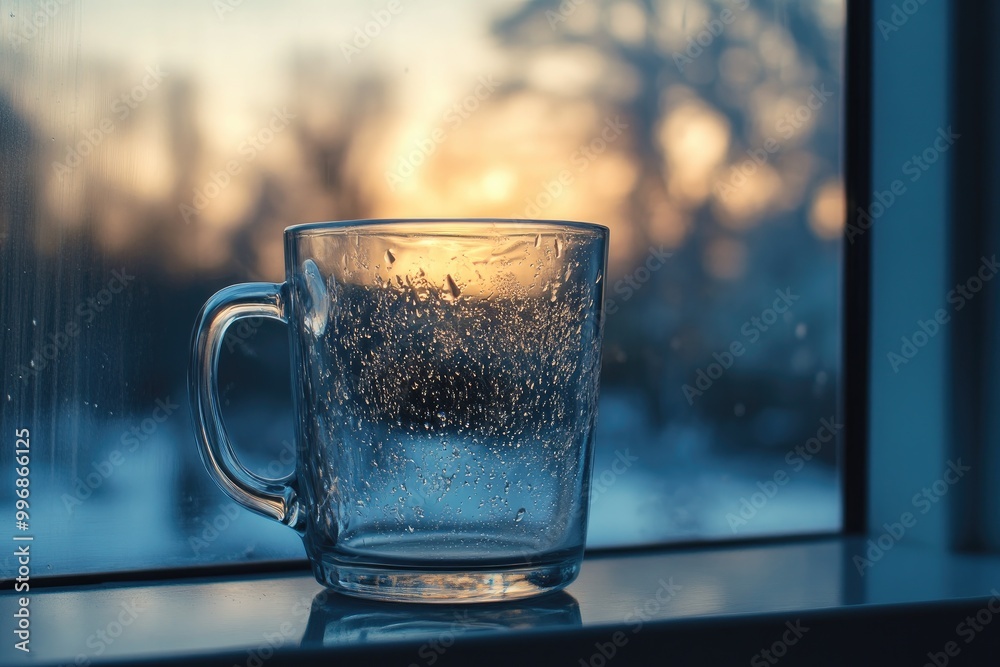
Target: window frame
[{"x": 856, "y": 313}]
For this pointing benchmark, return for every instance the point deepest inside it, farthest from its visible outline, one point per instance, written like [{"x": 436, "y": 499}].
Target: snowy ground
[{"x": 647, "y": 488}]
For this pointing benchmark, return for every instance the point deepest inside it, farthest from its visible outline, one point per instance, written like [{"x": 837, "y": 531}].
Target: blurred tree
[{"x": 688, "y": 74}]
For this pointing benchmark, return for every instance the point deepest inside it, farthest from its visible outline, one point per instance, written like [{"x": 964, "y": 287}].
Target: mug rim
[{"x": 377, "y": 224}]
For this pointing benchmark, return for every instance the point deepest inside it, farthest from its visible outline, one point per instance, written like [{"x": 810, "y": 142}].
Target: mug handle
[{"x": 274, "y": 498}]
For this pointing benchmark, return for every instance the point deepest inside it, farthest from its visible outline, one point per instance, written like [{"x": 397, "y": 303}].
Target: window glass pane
[{"x": 152, "y": 154}]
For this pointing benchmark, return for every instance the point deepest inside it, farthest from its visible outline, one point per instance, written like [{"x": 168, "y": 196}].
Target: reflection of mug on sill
[
  {"x": 445, "y": 375},
  {"x": 340, "y": 620}
]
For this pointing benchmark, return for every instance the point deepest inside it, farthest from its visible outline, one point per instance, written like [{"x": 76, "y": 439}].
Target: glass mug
[{"x": 445, "y": 381}]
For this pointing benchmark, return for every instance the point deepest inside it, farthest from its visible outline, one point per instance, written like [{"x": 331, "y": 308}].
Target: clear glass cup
[{"x": 445, "y": 376}]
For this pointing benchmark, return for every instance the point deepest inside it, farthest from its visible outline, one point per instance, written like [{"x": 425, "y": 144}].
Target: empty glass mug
[{"x": 445, "y": 381}]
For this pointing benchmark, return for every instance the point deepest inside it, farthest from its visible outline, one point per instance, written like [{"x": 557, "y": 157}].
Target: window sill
[{"x": 706, "y": 605}]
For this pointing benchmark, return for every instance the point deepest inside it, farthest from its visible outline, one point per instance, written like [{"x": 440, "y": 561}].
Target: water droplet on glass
[
  {"x": 559, "y": 247},
  {"x": 506, "y": 487},
  {"x": 538, "y": 240},
  {"x": 452, "y": 287},
  {"x": 519, "y": 515},
  {"x": 34, "y": 322},
  {"x": 389, "y": 257},
  {"x": 409, "y": 529}
]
